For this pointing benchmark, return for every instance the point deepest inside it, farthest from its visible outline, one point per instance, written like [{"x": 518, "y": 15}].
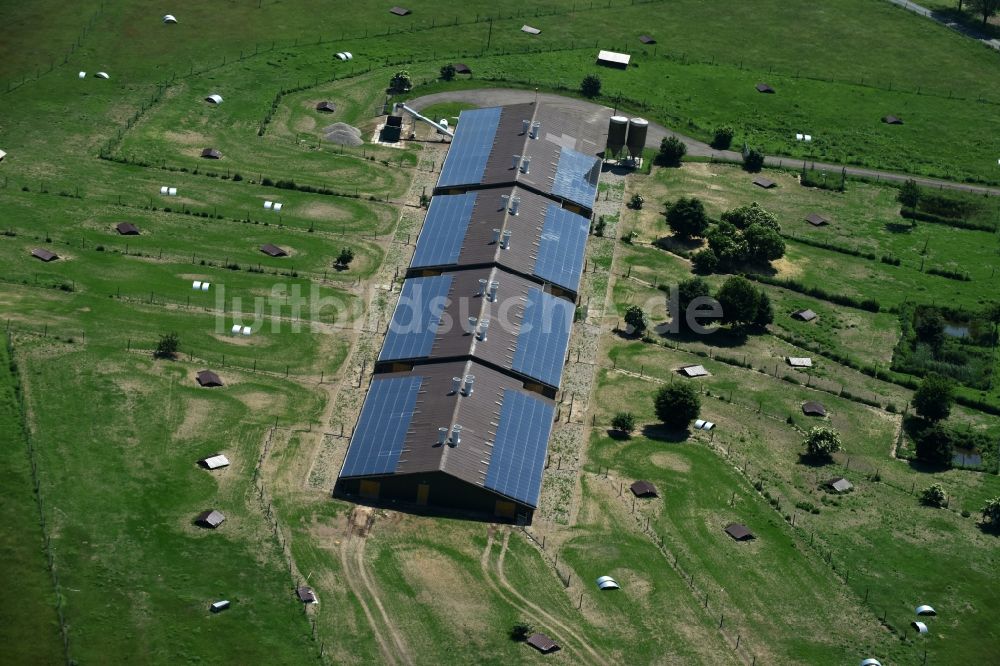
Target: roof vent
[
  {"x": 473, "y": 322},
  {"x": 469, "y": 381},
  {"x": 456, "y": 435},
  {"x": 526, "y": 164},
  {"x": 443, "y": 433},
  {"x": 514, "y": 161},
  {"x": 525, "y": 125},
  {"x": 456, "y": 385},
  {"x": 493, "y": 291},
  {"x": 483, "y": 281},
  {"x": 496, "y": 237},
  {"x": 536, "y": 127},
  {"x": 506, "y": 240},
  {"x": 515, "y": 204},
  {"x": 504, "y": 198},
  {"x": 483, "y": 325}
]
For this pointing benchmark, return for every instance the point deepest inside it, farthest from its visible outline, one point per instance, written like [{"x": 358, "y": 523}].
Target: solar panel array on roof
[
  {"x": 519, "y": 450},
  {"x": 471, "y": 147},
  {"x": 416, "y": 318},
  {"x": 385, "y": 418},
  {"x": 444, "y": 229},
  {"x": 576, "y": 177},
  {"x": 561, "y": 247},
  {"x": 544, "y": 337}
]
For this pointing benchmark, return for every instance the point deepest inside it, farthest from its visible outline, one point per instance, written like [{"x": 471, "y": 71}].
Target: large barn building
[{"x": 460, "y": 407}]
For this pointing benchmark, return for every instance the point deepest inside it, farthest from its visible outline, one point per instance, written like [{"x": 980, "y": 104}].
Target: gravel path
[{"x": 601, "y": 114}]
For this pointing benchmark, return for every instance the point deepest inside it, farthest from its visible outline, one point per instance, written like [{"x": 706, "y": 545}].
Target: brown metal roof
[
  {"x": 488, "y": 213},
  {"x": 764, "y": 88},
  {"x": 644, "y": 489},
  {"x": 646, "y": 39},
  {"x": 306, "y": 595},
  {"x": 209, "y": 378},
  {"x": 892, "y": 120},
  {"x": 462, "y": 68},
  {"x": 438, "y": 406},
  {"x": 542, "y": 643},
  {"x": 816, "y": 219},
  {"x": 44, "y": 255},
  {"x": 211, "y": 153},
  {"x": 210, "y": 518},
  {"x": 813, "y": 408},
  {"x": 766, "y": 183},
  {"x": 739, "y": 532},
  {"x": 127, "y": 229},
  {"x": 329, "y": 107},
  {"x": 272, "y": 250}
]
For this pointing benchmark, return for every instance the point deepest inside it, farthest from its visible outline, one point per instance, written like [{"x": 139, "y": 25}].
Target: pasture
[{"x": 105, "y": 552}]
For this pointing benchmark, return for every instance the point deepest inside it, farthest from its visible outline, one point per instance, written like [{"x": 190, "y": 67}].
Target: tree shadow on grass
[
  {"x": 618, "y": 435},
  {"x": 816, "y": 462},
  {"x": 664, "y": 433},
  {"x": 898, "y": 227},
  {"x": 675, "y": 243},
  {"x": 925, "y": 467},
  {"x": 992, "y": 529},
  {"x": 721, "y": 337}
]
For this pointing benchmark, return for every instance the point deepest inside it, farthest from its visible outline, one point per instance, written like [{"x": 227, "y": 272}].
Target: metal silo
[
  {"x": 617, "y": 131},
  {"x": 637, "y": 129}
]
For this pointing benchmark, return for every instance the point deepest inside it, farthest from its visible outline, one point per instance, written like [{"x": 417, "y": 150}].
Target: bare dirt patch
[
  {"x": 196, "y": 414},
  {"x": 317, "y": 210},
  {"x": 187, "y": 138},
  {"x": 671, "y": 461}
]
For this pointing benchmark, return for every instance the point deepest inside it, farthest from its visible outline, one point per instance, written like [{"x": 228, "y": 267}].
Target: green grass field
[{"x": 116, "y": 433}]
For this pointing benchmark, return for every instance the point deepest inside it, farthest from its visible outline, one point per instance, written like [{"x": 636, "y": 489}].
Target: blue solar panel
[
  {"x": 444, "y": 229},
  {"x": 576, "y": 177},
  {"x": 544, "y": 337},
  {"x": 519, "y": 450},
  {"x": 561, "y": 248},
  {"x": 471, "y": 147},
  {"x": 385, "y": 418},
  {"x": 416, "y": 318}
]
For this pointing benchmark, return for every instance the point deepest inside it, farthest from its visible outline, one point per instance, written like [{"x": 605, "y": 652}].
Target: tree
[
  {"x": 345, "y": 257},
  {"x": 686, "y": 217},
  {"x": 763, "y": 243},
  {"x": 521, "y": 631},
  {"x": 909, "y": 194},
  {"x": 636, "y": 201},
  {"x": 168, "y": 346},
  {"x": 930, "y": 330},
  {"x": 739, "y": 299},
  {"x": 933, "y": 495},
  {"x": 936, "y": 445},
  {"x": 985, "y": 8},
  {"x": 991, "y": 511},
  {"x": 723, "y": 137},
  {"x": 934, "y": 397},
  {"x": 746, "y": 216},
  {"x": 765, "y": 313},
  {"x": 400, "y": 81},
  {"x": 672, "y": 150},
  {"x": 677, "y": 404},
  {"x": 591, "y": 86},
  {"x": 636, "y": 320},
  {"x": 623, "y": 422},
  {"x": 687, "y": 291},
  {"x": 727, "y": 243},
  {"x": 448, "y": 72},
  {"x": 704, "y": 261},
  {"x": 821, "y": 443},
  {"x": 753, "y": 160}
]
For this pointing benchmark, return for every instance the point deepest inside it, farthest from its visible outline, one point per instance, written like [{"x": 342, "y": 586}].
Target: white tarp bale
[
  {"x": 919, "y": 626},
  {"x": 607, "y": 583},
  {"x": 925, "y": 610},
  {"x": 798, "y": 136},
  {"x": 164, "y": 190},
  {"x": 169, "y": 18},
  {"x": 345, "y": 55},
  {"x": 214, "y": 99},
  {"x": 83, "y": 75},
  {"x": 2, "y": 155},
  {"x": 871, "y": 662},
  {"x": 807, "y": 137},
  {"x": 277, "y": 206},
  {"x": 267, "y": 205},
  {"x": 205, "y": 286},
  {"x": 196, "y": 285},
  {"x": 172, "y": 191},
  {"x": 246, "y": 330},
  {"x": 236, "y": 329},
  {"x": 102, "y": 75},
  {"x": 701, "y": 424}
]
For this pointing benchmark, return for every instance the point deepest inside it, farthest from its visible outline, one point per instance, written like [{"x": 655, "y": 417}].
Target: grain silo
[
  {"x": 637, "y": 129},
  {"x": 617, "y": 131}
]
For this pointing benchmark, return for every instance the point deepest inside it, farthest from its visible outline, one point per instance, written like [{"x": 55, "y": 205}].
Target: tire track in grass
[
  {"x": 402, "y": 652},
  {"x": 527, "y": 608}
]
